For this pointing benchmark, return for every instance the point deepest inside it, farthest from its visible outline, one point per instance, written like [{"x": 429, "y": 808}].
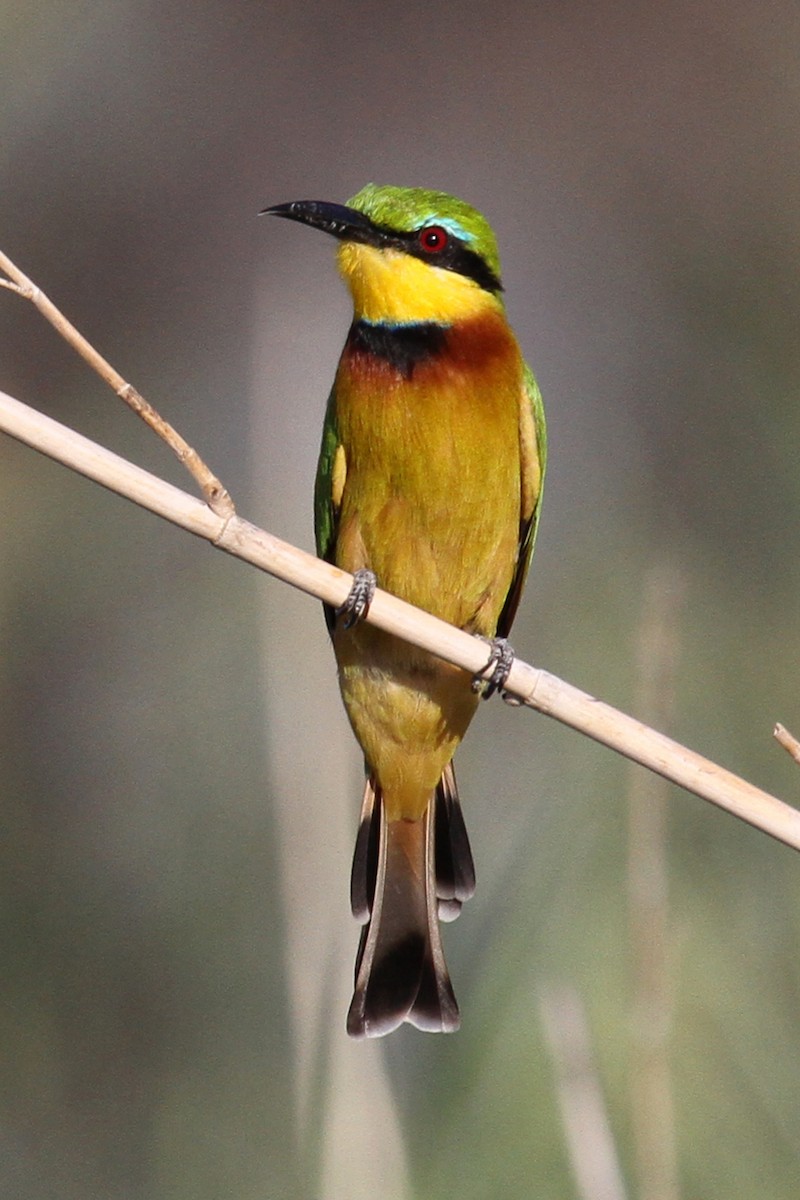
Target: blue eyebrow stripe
[{"x": 451, "y": 225}]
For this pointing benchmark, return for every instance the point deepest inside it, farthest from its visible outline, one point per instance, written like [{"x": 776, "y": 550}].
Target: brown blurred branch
[
  {"x": 215, "y": 494},
  {"x": 590, "y": 1142},
  {"x": 788, "y": 741},
  {"x": 534, "y": 687}
]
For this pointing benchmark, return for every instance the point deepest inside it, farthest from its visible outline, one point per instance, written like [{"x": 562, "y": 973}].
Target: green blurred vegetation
[{"x": 162, "y": 730}]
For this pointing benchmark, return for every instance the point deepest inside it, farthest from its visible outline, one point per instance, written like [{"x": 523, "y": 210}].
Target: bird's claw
[
  {"x": 359, "y": 598},
  {"x": 492, "y": 678}
]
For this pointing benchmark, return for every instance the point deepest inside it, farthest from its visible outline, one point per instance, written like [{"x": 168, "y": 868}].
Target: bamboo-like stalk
[
  {"x": 789, "y": 742},
  {"x": 534, "y": 687}
]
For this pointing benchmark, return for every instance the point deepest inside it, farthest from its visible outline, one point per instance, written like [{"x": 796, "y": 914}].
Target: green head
[
  {"x": 418, "y": 211},
  {"x": 433, "y": 226}
]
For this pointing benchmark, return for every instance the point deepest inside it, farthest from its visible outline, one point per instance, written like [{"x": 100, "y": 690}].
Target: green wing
[
  {"x": 326, "y": 515},
  {"x": 533, "y": 445}
]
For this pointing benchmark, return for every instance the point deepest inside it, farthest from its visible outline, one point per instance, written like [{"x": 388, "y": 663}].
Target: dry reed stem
[
  {"x": 534, "y": 687},
  {"x": 215, "y": 494},
  {"x": 788, "y": 741}
]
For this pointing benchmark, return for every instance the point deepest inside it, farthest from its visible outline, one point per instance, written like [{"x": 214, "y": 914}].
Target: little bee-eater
[{"x": 429, "y": 482}]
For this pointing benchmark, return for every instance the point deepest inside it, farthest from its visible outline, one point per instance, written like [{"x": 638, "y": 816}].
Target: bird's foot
[
  {"x": 359, "y": 598},
  {"x": 492, "y": 678}
]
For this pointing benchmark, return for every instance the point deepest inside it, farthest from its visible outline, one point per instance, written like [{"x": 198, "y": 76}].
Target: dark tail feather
[
  {"x": 365, "y": 855},
  {"x": 398, "y": 869},
  {"x": 455, "y": 870}
]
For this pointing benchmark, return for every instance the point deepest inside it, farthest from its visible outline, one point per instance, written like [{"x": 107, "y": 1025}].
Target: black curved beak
[{"x": 341, "y": 222}]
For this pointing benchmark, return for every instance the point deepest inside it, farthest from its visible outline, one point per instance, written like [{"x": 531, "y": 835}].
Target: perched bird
[{"x": 429, "y": 481}]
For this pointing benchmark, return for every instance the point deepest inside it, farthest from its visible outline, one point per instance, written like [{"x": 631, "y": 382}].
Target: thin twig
[
  {"x": 534, "y": 687},
  {"x": 788, "y": 741},
  {"x": 652, "y": 1109},
  {"x": 215, "y": 494},
  {"x": 590, "y": 1142}
]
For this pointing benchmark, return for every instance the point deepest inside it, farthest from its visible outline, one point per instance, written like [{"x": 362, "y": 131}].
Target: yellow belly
[
  {"x": 431, "y": 504},
  {"x": 408, "y": 710}
]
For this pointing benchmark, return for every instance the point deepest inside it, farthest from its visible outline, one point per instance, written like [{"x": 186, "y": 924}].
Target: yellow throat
[{"x": 388, "y": 285}]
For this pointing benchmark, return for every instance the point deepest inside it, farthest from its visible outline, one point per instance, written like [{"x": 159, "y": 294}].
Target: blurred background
[{"x": 178, "y": 785}]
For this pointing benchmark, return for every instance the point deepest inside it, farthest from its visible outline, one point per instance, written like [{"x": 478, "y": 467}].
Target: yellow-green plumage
[
  {"x": 425, "y": 508},
  {"x": 430, "y": 476}
]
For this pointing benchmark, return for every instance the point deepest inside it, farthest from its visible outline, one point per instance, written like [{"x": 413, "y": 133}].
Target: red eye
[{"x": 433, "y": 239}]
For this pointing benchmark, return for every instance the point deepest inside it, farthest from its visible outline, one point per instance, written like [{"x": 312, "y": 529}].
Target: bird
[{"x": 429, "y": 485}]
